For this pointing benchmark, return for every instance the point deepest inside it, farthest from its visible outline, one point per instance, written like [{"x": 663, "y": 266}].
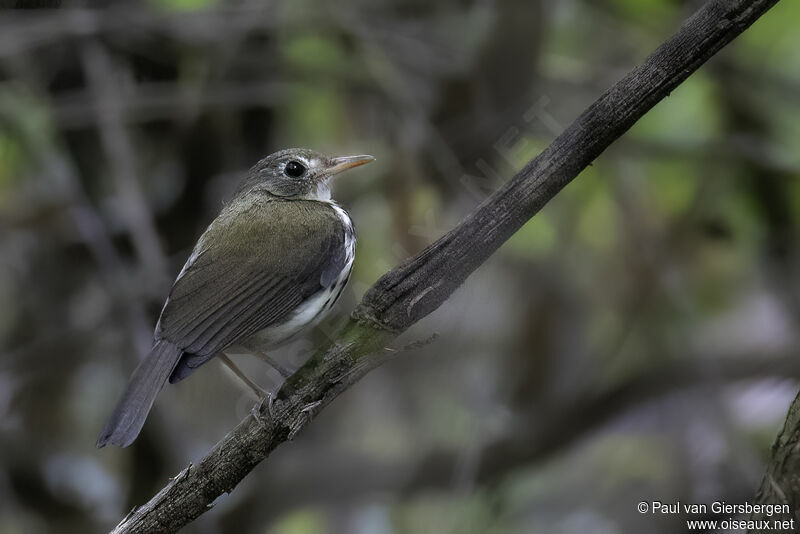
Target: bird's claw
[{"x": 257, "y": 407}]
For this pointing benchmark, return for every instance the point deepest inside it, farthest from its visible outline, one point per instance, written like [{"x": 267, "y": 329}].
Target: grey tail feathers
[{"x": 128, "y": 417}]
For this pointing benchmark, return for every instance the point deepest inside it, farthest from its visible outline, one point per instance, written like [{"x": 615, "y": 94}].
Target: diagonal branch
[
  {"x": 420, "y": 285},
  {"x": 781, "y": 482}
]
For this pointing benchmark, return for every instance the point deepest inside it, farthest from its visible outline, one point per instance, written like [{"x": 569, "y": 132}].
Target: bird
[{"x": 272, "y": 263}]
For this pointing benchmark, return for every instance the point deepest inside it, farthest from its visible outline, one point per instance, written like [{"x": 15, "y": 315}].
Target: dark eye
[{"x": 294, "y": 169}]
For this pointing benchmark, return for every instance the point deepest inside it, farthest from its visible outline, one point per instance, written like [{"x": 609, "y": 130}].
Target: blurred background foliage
[{"x": 636, "y": 340}]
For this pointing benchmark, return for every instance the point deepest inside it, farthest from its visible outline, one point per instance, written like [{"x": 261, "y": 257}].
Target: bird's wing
[{"x": 249, "y": 270}]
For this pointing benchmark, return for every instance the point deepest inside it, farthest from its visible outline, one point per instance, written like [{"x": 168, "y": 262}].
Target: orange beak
[{"x": 348, "y": 162}]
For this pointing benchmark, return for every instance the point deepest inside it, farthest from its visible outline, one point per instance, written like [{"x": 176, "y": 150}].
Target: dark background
[{"x": 636, "y": 341}]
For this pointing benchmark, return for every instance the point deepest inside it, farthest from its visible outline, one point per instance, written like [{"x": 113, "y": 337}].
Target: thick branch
[
  {"x": 781, "y": 482},
  {"x": 420, "y": 285}
]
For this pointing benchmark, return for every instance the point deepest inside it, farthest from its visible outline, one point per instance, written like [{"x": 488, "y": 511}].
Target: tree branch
[
  {"x": 781, "y": 482},
  {"x": 420, "y": 285}
]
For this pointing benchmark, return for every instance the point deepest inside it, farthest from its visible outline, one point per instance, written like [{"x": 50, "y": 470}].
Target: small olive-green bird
[{"x": 273, "y": 262}]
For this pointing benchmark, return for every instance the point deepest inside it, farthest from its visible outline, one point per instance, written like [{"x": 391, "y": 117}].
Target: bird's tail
[{"x": 147, "y": 380}]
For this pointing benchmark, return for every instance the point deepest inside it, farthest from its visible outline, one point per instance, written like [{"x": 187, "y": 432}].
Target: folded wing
[{"x": 249, "y": 271}]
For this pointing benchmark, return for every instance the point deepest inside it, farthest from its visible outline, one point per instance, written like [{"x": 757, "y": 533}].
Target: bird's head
[{"x": 298, "y": 173}]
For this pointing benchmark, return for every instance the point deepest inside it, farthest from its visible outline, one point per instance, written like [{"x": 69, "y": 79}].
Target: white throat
[{"x": 321, "y": 193}]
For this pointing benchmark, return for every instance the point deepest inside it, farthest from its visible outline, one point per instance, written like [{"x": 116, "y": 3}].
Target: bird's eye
[{"x": 294, "y": 169}]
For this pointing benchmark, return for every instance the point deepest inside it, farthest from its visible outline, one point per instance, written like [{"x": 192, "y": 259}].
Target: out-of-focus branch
[
  {"x": 21, "y": 31},
  {"x": 118, "y": 147},
  {"x": 556, "y": 427},
  {"x": 419, "y": 286}
]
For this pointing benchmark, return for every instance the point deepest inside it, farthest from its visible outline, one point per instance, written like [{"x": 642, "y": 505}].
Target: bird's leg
[
  {"x": 284, "y": 372},
  {"x": 253, "y": 348},
  {"x": 252, "y": 386}
]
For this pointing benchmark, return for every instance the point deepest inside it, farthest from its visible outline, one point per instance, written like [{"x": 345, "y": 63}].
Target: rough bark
[
  {"x": 420, "y": 285},
  {"x": 781, "y": 483}
]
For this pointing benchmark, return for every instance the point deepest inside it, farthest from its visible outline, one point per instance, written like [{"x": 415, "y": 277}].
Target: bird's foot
[
  {"x": 269, "y": 398},
  {"x": 257, "y": 391},
  {"x": 271, "y": 404}
]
